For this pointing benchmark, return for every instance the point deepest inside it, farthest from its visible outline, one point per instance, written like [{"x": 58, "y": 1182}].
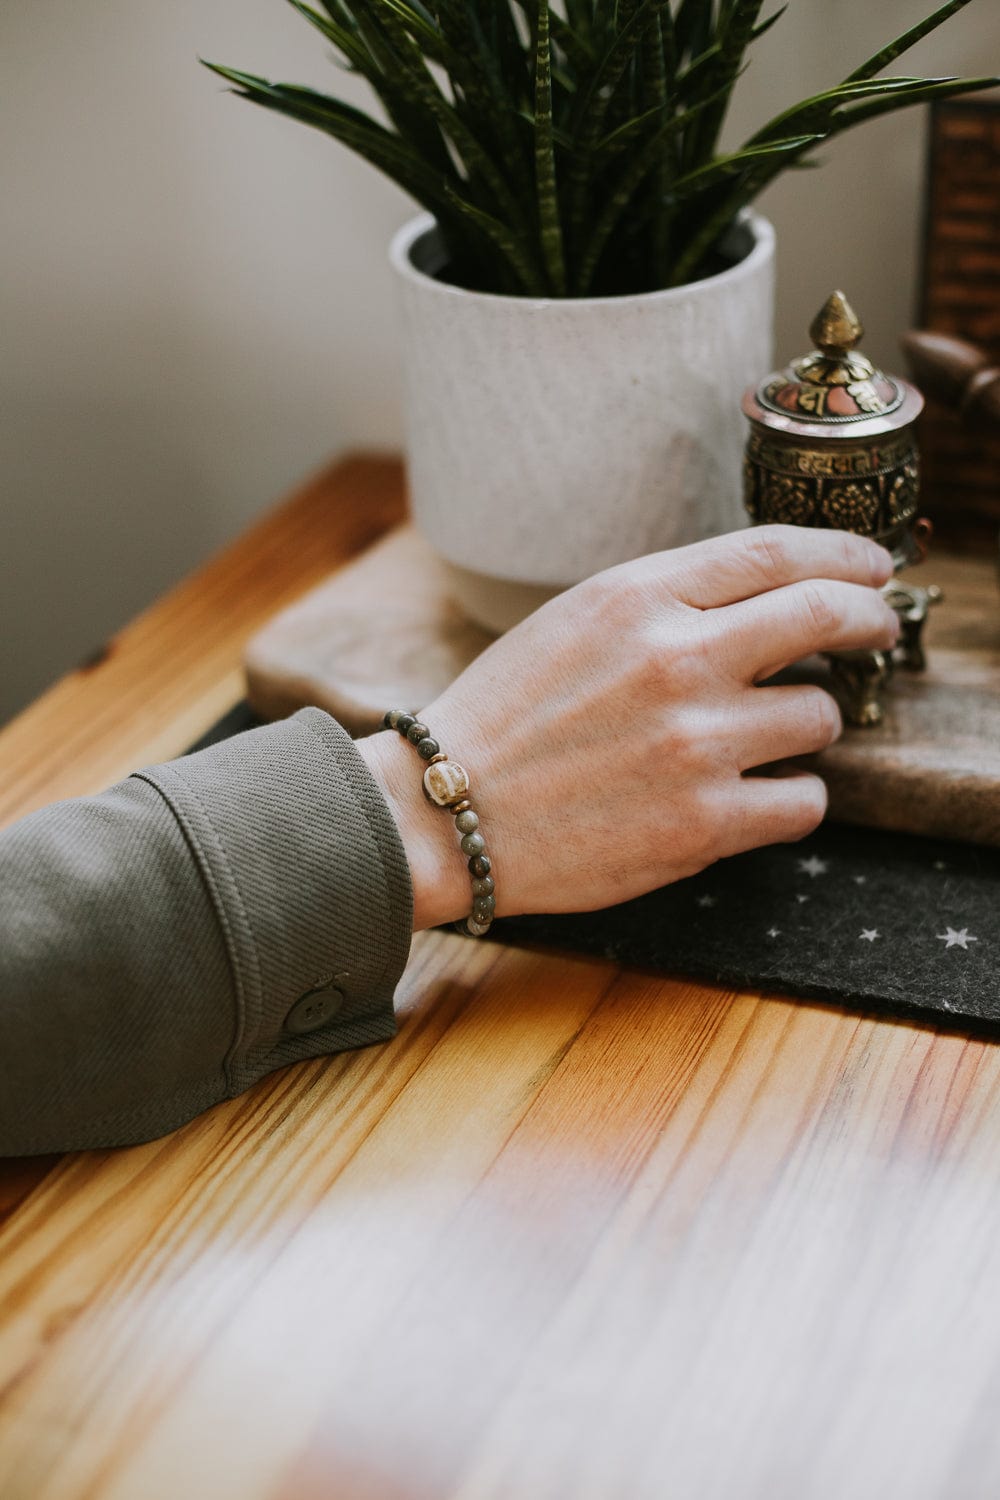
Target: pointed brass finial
[{"x": 836, "y": 328}]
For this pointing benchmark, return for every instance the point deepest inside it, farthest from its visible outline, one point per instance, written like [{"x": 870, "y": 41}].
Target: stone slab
[
  {"x": 380, "y": 632},
  {"x": 933, "y": 766}
]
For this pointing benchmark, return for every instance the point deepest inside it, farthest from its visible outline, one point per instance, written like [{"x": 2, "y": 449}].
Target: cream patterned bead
[{"x": 446, "y": 783}]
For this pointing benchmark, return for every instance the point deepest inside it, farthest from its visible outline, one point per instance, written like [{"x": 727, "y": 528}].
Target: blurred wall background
[{"x": 195, "y": 309}]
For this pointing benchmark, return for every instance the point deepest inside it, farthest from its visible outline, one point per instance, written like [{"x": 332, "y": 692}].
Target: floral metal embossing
[
  {"x": 789, "y": 500},
  {"x": 750, "y": 472},
  {"x": 852, "y": 507},
  {"x": 903, "y": 492}
]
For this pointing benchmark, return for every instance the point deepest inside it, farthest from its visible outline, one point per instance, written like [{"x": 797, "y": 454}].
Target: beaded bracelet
[{"x": 446, "y": 784}]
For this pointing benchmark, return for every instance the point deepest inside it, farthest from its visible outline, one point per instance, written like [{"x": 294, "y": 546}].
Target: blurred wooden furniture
[
  {"x": 961, "y": 297},
  {"x": 578, "y": 1232}
]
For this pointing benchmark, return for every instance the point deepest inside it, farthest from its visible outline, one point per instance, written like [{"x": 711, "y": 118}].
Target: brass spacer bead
[
  {"x": 459, "y": 807},
  {"x": 435, "y": 758}
]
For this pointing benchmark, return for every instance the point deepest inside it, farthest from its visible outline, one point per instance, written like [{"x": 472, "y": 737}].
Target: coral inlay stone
[{"x": 446, "y": 782}]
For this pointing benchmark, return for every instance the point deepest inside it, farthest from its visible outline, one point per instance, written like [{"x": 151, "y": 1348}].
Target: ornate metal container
[
  {"x": 832, "y": 444},
  {"x": 831, "y": 441}
]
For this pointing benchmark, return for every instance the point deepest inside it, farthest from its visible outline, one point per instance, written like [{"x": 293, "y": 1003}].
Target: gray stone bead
[
  {"x": 416, "y": 732},
  {"x": 473, "y": 843},
  {"x": 483, "y": 908},
  {"x": 467, "y": 822},
  {"x": 480, "y": 865},
  {"x": 393, "y": 717},
  {"x": 476, "y": 929},
  {"x": 427, "y": 747},
  {"x": 483, "y": 887}
]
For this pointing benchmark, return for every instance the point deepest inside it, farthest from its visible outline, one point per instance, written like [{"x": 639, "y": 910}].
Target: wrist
[{"x": 437, "y": 870}]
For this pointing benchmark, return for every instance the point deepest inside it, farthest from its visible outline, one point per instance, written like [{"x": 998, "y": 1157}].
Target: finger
[
  {"x": 726, "y": 569},
  {"x": 767, "y": 724},
  {"x": 774, "y": 810},
  {"x": 757, "y": 637}
]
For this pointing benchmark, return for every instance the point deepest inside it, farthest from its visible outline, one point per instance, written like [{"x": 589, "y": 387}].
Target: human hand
[{"x": 608, "y": 737}]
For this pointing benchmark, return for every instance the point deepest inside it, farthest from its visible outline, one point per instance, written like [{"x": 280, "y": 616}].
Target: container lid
[{"x": 835, "y": 391}]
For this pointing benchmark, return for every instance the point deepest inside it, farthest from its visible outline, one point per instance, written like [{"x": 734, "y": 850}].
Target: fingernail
[{"x": 882, "y": 564}]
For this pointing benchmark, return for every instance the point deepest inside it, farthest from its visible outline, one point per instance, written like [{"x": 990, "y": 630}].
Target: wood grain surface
[
  {"x": 160, "y": 682},
  {"x": 577, "y": 1232}
]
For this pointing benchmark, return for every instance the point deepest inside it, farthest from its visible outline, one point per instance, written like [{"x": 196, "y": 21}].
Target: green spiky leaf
[{"x": 574, "y": 150}]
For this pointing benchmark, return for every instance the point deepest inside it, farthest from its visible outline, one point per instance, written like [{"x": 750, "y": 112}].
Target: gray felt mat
[{"x": 853, "y": 915}]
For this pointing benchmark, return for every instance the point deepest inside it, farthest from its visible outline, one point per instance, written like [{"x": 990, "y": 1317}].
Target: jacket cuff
[{"x": 310, "y": 883}]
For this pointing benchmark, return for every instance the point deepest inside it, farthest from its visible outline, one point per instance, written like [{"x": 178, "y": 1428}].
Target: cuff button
[{"x": 314, "y": 1009}]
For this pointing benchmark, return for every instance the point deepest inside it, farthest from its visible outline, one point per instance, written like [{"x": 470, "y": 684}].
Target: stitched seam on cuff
[
  {"x": 373, "y": 831},
  {"x": 241, "y": 1041},
  {"x": 218, "y": 901}
]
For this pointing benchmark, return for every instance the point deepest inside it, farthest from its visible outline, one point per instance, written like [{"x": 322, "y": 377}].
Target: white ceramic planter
[{"x": 550, "y": 438}]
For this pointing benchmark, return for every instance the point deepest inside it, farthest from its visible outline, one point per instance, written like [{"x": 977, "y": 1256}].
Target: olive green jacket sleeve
[{"x": 167, "y": 943}]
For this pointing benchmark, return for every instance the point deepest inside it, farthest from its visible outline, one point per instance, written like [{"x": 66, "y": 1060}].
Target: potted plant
[{"x": 588, "y": 292}]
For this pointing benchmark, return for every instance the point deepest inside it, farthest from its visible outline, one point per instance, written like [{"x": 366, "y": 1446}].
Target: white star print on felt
[
  {"x": 960, "y": 939},
  {"x": 813, "y": 866},
  {"x": 857, "y": 915}
]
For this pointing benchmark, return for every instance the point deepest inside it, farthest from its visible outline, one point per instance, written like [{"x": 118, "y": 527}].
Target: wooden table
[{"x": 578, "y": 1232}]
